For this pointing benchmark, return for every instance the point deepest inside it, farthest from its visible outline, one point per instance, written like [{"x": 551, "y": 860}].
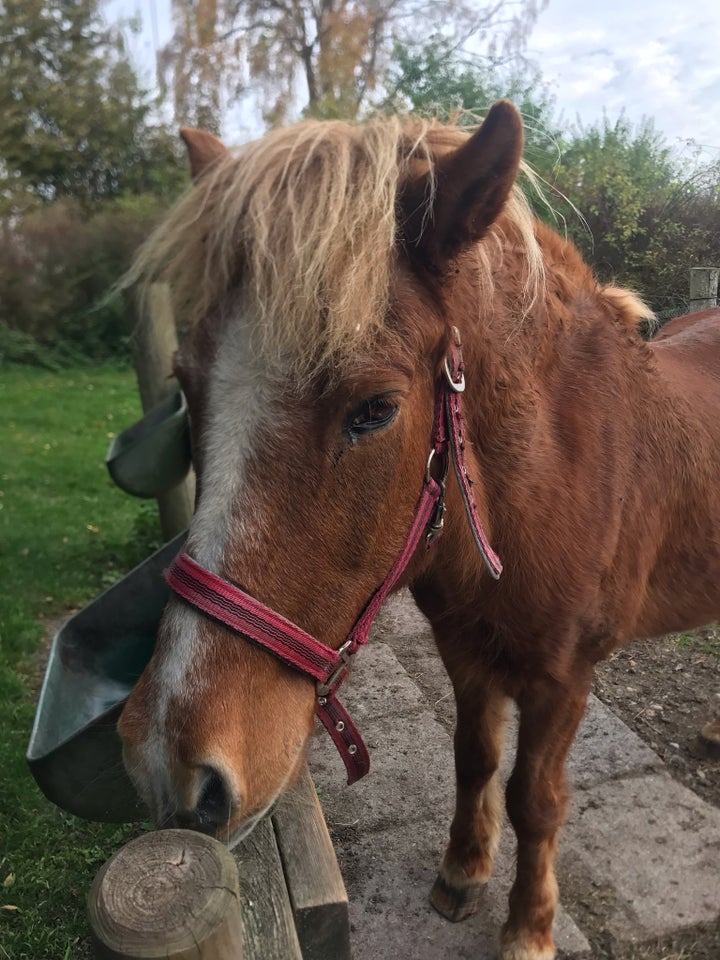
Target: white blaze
[{"x": 239, "y": 397}]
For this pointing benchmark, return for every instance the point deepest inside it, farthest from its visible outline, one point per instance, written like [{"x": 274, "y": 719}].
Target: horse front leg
[
  {"x": 475, "y": 829},
  {"x": 536, "y": 803}
]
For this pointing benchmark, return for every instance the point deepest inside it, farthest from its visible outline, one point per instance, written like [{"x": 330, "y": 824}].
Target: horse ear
[
  {"x": 204, "y": 149},
  {"x": 472, "y": 186}
]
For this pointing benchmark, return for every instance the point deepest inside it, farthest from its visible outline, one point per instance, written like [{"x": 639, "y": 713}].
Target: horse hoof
[
  {"x": 456, "y": 903},
  {"x": 521, "y": 948}
]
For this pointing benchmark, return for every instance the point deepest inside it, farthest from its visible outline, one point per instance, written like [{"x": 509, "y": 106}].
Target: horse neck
[
  {"x": 540, "y": 388},
  {"x": 520, "y": 346}
]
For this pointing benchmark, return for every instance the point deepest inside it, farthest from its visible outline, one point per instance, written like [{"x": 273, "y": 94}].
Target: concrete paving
[{"x": 650, "y": 846}]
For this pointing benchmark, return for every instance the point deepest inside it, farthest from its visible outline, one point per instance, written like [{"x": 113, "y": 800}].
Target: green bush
[
  {"x": 58, "y": 264},
  {"x": 18, "y": 347},
  {"x": 649, "y": 216}
]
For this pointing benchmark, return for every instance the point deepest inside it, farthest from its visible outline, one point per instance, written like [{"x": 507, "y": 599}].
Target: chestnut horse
[{"x": 321, "y": 273}]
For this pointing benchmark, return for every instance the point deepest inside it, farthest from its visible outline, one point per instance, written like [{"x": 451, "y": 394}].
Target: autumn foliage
[{"x": 86, "y": 166}]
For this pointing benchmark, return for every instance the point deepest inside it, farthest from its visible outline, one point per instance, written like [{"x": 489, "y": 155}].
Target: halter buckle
[
  {"x": 345, "y": 654},
  {"x": 457, "y": 386},
  {"x": 437, "y": 519}
]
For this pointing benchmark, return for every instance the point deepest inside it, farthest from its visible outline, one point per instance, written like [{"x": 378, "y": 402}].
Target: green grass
[
  {"x": 705, "y": 641},
  {"x": 66, "y": 533}
]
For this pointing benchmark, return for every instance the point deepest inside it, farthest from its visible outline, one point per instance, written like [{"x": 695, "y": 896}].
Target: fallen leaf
[{"x": 9, "y": 880}]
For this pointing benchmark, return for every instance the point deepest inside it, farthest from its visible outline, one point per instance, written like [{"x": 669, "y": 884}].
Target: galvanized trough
[
  {"x": 95, "y": 660},
  {"x": 153, "y": 455}
]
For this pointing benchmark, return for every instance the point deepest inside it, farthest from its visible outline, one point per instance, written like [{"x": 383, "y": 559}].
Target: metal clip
[
  {"x": 323, "y": 689},
  {"x": 437, "y": 520}
]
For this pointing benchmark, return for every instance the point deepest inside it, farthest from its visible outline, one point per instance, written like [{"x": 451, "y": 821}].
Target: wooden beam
[
  {"x": 317, "y": 893},
  {"x": 268, "y": 928},
  {"x": 172, "y": 893},
  {"x": 278, "y": 895}
]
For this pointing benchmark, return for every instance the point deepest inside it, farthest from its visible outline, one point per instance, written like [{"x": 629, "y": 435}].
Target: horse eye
[{"x": 372, "y": 414}]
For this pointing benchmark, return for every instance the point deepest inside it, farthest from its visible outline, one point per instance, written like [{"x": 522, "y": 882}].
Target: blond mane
[
  {"x": 303, "y": 223},
  {"x": 630, "y": 307}
]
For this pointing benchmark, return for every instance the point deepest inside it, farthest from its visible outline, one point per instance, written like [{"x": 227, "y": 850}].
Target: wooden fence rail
[{"x": 278, "y": 895}]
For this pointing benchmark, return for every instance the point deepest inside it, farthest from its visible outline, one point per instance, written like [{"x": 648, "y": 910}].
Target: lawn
[{"x": 66, "y": 533}]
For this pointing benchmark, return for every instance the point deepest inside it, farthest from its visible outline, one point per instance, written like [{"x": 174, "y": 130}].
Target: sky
[{"x": 659, "y": 60}]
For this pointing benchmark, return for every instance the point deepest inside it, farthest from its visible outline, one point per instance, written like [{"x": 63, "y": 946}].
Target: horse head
[{"x": 323, "y": 268}]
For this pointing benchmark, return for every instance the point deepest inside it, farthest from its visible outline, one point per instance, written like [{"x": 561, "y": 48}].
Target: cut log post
[
  {"x": 703, "y": 287},
  {"x": 318, "y": 897},
  {"x": 171, "y": 894},
  {"x": 154, "y": 342},
  {"x": 181, "y": 895}
]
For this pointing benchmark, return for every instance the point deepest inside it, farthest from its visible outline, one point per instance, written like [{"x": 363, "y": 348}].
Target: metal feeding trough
[
  {"x": 154, "y": 454},
  {"x": 95, "y": 660}
]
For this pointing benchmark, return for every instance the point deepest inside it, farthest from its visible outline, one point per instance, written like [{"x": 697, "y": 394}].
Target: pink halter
[{"x": 257, "y": 623}]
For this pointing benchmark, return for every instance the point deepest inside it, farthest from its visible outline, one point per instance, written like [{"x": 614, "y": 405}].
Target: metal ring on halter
[
  {"x": 457, "y": 385},
  {"x": 446, "y": 467},
  {"x": 427, "y": 466}
]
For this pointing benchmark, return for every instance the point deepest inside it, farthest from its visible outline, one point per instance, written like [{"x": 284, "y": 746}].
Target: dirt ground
[{"x": 666, "y": 690}]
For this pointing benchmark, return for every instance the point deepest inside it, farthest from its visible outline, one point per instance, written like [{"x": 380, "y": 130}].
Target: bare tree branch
[{"x": 342, "y": 47}]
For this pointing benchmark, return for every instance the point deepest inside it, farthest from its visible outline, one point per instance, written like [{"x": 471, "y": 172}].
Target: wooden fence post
[
  {"x": 154, "y": 341},
  {"x": 171, "y": 894},
  {"x": 703, "y": 287}
]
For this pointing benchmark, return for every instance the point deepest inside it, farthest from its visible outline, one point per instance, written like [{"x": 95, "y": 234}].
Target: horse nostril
[{"x": 214, "y": 805}]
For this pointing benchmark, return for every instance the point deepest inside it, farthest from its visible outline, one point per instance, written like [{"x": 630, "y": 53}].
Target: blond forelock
[{"x": 302, "y": 222}]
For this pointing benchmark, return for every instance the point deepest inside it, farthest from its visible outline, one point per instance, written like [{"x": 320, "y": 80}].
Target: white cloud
[{"x": 648, "y": 60}]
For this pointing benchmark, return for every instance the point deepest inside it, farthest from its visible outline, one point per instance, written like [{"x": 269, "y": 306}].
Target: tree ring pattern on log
[{"x": 165, "y": 891}]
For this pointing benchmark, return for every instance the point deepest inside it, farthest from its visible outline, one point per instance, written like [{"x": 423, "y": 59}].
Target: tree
[
  {"x": 195, "y": 61},
  {"x": 340, "y": 48},
  {"x": 84, "y": 173},
  {"x": 435, "y": 79},
  {"x": 75, "y": 119}
]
